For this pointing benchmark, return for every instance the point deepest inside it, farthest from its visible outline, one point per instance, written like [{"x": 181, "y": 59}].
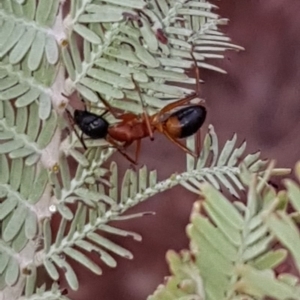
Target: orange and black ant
[{"x": 175, "y": 125}]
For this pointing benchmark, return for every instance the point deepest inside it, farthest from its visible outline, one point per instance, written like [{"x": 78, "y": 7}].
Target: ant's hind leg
[
  {"x": 197, "y": 72},
  {"x": 180, "y": 145},
  {"x": 198, "y": 143},
  {"x": 145, "y": 113},
  {"x": 188, "y": 98}
]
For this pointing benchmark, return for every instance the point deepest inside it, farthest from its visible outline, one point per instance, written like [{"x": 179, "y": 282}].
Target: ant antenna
[
  {"x": 144, "y": 107},
  {"x": 108, "y": 107}
]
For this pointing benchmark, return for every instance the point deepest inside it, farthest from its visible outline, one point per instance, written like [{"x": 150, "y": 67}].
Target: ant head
[{"x": 79, "y": 115}]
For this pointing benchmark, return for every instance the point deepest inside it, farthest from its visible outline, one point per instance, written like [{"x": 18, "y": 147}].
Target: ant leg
[
  {"x": 108, "y": 106},
  {"x": 197, "y": 72},
  {"x": 111, "y": 141},
  {"x": 180, "y": 145},
  {"x": 104, "y": 113},
  {"x": 71, "y": 120},
  {"x": 171, "y": 106},
  {"x": 198, "y": 143},
  {"x": 145, "y": 113},
  {"x": 82, "y": 141},
  {"x": 186, "y": 99}
]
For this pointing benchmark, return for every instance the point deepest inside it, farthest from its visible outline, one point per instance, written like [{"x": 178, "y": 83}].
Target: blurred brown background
[{"x": 258, "y": 99}]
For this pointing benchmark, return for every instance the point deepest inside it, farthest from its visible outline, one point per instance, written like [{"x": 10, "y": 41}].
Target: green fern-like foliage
[
  {"x": 128, "y": 43},
  {"x": 231, "y": 253},
  {"x": 97, "y": 49}
]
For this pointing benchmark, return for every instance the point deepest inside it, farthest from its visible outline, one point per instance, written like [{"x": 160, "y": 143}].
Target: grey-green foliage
[
  {"x": 21, "y": 187},
  {"x": 28, "y": 53},
  {"x": 231, "y": 252},
  {"x": 23, "y": 133},
  {"x": 99, "y": 49},
  {"x": 126, "y": 44},
  {"x": 101, "y": 202}
]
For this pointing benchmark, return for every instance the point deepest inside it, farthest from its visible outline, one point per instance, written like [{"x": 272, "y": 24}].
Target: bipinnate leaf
[{"x": 226, "y": 241}]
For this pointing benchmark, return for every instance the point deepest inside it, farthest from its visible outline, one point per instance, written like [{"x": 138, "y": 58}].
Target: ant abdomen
[{"x": 186, "y": 121}]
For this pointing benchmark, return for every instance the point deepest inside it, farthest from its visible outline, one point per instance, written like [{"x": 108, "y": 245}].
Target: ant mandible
[{"x": 133, "y": 128}]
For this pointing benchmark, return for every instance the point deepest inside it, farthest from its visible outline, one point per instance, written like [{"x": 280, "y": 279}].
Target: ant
[{"x": 175, "y": 125}]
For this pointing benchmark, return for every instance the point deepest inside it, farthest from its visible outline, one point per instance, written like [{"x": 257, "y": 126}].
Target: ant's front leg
[{"x": 72, "y": 123}]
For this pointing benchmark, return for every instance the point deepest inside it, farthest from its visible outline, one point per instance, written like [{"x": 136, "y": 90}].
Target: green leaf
[
  {"x": 30, "y": 280},
  {"x": 27, "y": 180},
  {"x": 43, "y": 11},
  {"x": 21, "y": 120},
  {"x": 15, "y": 91},
  {"x": 13, "y": 38},
  {"x": 69, "y": 272},
  {"x": 51, "y": 269},
  {"x": 16, "y": 173},
  {"x": 11, "y": 146},
  {"x": 31, "y": 225},
  {"x": 104, "y": 256},
  {"x": 101, "y": 87},
  {"x": 23, "y": 45},
  {"x": 4, "y": 174},
  {"x": 28, "y": 8},
  {"x": 37, "y": 50},
  {"x": 8, "y": 82},
  {"x": 4, "y": 259},
  {"x": 101, "y": 241},
  {"x": 203, "y": 227},
  {"x": 51, "y": 50},
  {"x": 28, "y": 97},
  {"x": 47, "y": 131},
  {"x": 8, "y": 205},
  {"x": 222, "y": 207},
  {"x": 12, "y": 272},
  {"x": 38, "y": 186},
  {"x": 32, "y": 159},
  {"x": 106, "y": 16},
  {"x": 20, "y": 153},
  {"x": 138, "y": 4},
  {"x": 9, "y": 114},
  {"x": 87, "y": 34},
  {"x": 65, "y": 211},
  {"x": 120, "y": 232},
  {"x": 68, "y": 63},
  {"x": 15, "y": 223},
  {"x": 6, "y": 135},
  {"x": 286, "y": 231},
  {"x": 270, "y": 260},
  {"x": 33, "y": 126},
  {"x": 47, "y": 235},
  {"x": 294, "y": 193},
  {"x": 52, "y": 14},
  {"x": 267, "y": 285},
  {"x": 45, "y": 106},
  {"x": 6, "y": 30},
  {"x": 19, "y": 241},
  {"x": 81, "y": 258}
]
